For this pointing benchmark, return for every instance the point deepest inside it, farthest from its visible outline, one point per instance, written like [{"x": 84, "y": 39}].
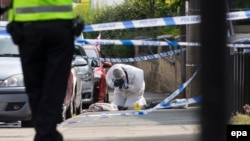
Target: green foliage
[
  {"x": 240, "y": 4},
  {"x": 133, "y": 10},
  {"x": 156, "y": 8},
  {"x": 240, "y": 119},
  {"x": 83, "y": 11},
  {"x": 176, "y": 6}
]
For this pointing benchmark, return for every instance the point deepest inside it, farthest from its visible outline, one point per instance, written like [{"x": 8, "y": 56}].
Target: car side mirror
[
  {"x": 107, "y": 64},
  {"x": 94, "y": 63},
  {"x": 79, "y": 62}
]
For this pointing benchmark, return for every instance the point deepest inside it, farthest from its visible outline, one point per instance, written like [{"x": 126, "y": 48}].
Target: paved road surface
[
  {"x": 160, "y": 125},
  {"x": 159, "y": 117}
]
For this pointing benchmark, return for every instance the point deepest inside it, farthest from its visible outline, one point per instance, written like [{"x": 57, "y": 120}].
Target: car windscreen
[
  {"x": 91, "y": 53},
  {"x": 79, "y": 51},
  {"x": 8, "y": 48}
]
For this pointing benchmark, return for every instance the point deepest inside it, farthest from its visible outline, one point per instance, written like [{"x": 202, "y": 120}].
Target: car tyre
[
  {"x": 70, "y": 111},
  {"x": 106, "y": 98},
  {"x": 79, "y": 109}
]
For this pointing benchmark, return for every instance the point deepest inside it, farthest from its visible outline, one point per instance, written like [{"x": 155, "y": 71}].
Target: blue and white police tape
[
  {"x": 140, "y": 58},
  {"x": 174, "y": 94},
  {"x": 238, "y": 45},
  {"x": 162, "y": 104},
  {"x": 134, "y": 42},
  {"x": 182, "y": 102},
  {"x": 3, "y": 23},
  {"x": 4, "y": 33},
  {"x": 167, "y": 21},
  {"x": 155, "y": 22},
  {"x": 240, "y": 15}
]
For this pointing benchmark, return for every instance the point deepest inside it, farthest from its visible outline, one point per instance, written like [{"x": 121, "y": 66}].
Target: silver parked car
[
  {"x": 73, "y": 100},
  {"x": 88, "y": 80},
  {"x": 14, "y": 105},
  {"x": 13, "y": 99}
]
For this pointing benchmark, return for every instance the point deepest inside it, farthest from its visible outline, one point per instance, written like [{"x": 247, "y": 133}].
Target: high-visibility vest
[{"x": 40, "y": 10}]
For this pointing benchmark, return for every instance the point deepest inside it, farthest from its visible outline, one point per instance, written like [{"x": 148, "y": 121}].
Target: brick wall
[{"x": 161, "y": 75}]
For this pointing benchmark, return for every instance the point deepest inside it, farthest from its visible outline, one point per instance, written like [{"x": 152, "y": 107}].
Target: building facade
[
  {"x": 103, "y": 3},
  {"x": 4, "y": 3}
]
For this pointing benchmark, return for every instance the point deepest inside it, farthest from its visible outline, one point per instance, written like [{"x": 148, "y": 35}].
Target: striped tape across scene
[
  {"x": 156, "y": 22},
  {"x": 182, "y": 102},
  {"x": 174, "y": 94},
  {"x": 127, "y": 60},
  {"x": 151, "y": 43},
  {"x": 134, "y": 42},
  {"x": 4, "y": 34},
  {"x": 242, "y": 45}
]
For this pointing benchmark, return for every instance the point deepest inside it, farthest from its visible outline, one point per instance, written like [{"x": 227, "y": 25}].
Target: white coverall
[{"x": 134, "y": 93}]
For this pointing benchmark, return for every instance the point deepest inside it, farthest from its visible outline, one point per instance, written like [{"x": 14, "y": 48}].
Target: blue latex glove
[{"x": 124, "y": 85}]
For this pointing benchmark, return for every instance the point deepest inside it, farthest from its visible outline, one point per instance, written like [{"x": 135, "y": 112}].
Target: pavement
[{"x": 159, "y": 125}]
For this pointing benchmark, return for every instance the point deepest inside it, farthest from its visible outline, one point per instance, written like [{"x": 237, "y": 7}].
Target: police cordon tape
[
  {"x": 175, "y": 93},
  {"x": 139, "y": 58},
  {"x": 162, "y": 105},
  {"x": 4, "y": 34},
  {"x": 155, "y": 22},
  {"x": 127, "y": 60},
  {"x": 182, "y": 102},
  {"x": 239, "y": 45},
  {"x": 134, "y": 42},
  {"x": 150, "y": 43}
]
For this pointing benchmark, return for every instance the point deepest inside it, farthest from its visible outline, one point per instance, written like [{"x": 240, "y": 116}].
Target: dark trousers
[{"x": 46, "y": 54}]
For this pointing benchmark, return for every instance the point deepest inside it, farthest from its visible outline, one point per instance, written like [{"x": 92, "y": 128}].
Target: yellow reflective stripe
[
  {"x": 43, "y": 17},
  {"x": 40, "y": 9}
]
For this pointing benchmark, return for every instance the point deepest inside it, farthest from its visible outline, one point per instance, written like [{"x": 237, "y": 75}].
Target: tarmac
[{"x": 160, "y": 125}]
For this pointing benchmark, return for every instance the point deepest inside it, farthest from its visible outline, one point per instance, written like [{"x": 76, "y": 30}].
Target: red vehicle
[{"x": 101, "y": 88}]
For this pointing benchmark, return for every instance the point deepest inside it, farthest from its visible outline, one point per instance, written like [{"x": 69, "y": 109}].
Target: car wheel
[
  {"x": 79, "y": 109},
  {"x": 106, "y": 98}
]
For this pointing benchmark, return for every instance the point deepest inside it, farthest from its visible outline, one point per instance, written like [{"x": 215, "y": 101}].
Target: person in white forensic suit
[{"x": 128, "y": 84}]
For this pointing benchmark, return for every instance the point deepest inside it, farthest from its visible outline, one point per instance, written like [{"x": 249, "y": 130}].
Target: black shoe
[
  {"x": 122, "y": 108},
  {"x": 151, "y": 105}
]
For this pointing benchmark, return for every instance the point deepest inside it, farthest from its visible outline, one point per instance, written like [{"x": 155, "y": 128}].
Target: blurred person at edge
[
  {"x": 128, "y": 84},
  {"x": 44, "y": 32}
]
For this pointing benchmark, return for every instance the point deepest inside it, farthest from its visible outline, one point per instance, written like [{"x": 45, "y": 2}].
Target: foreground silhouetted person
[{"x": 44, "y": 32}]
